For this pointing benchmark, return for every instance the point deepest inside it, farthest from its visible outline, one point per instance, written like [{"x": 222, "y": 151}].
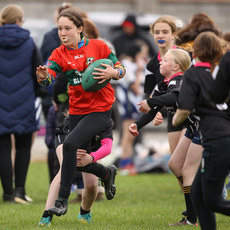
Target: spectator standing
[
  {"x": 19, "y": 57},
  {"x": 129, "y": 33}
]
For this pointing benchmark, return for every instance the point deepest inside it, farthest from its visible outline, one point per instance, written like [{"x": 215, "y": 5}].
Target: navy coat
[{"x": 17, "y": 93}]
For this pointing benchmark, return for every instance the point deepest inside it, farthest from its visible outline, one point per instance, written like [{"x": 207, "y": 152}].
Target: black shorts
[
  {"x": 61, "y": 131},
  {"x": 170, "y": 127},
  {"x": 59, "y": 139}
]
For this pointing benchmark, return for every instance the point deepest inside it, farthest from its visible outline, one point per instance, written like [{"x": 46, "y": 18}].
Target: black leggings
[
  {"x": 22, "y": 160},
  {"x": 207, "y": 204},
  {"x": 82, "y": 129},
  {"x": 6, "y": 173},
  {"x": 209, "y": 182}
]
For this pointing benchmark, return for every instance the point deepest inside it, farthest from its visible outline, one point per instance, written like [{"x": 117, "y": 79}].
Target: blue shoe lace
[
  {"x": 45, "y": 221},
  {"x": 86, "y": 218}
]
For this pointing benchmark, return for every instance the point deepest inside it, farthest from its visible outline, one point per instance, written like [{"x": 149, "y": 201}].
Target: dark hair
[
  {"x": 199, "y": 23},
  {"x": 207, "y": 47},
  {"x": 73, "y": 15},
  {"x": 90, "y": 29},
  {"x": 63, "y": 6}
]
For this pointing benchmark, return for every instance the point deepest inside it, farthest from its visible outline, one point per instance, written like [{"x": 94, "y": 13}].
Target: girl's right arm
[
  {"x": 143, "y": 120},
  {"x": 43, "y": 77}
]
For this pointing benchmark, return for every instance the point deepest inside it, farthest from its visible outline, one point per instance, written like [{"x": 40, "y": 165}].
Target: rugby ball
[{"x": 90, "y": 84}]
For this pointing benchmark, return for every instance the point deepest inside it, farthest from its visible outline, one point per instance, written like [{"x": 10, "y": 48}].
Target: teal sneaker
[
  {"x": 86, "y": 218},
  {"x": 45, "y": 222}
]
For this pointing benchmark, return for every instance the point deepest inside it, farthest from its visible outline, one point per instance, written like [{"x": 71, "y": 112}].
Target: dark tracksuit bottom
[
  {"x": 208, "y": 184},
  {"x": 82, "y": 129}
]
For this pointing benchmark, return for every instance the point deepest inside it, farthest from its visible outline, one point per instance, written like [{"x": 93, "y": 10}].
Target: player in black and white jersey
[
  {"x": 166, "y": 93},
  {"x": 214, "y": 127},
  {"x": 221, "y": 85}
]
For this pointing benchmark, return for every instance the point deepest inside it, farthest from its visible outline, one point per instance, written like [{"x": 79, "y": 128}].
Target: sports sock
[
  {"x": 65, "y": 199},
  {"x": 125, "y": 162},
  {"x": 47, "y": 213},
  {"x": 191, "y": 215},
  {"x": 107, "y": 176},
  {"x": 83, "y": 212}
]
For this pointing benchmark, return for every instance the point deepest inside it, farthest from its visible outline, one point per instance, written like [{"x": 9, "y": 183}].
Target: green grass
[{"x": 148, "y": 201}]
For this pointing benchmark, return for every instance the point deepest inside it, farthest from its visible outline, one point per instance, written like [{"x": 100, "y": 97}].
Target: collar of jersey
[
  {"x": 174, "y": 75},
  {"x": 159, "y": 56},
  {"x": 203, "y": 64},
  {"x": 79, "y": 44}
]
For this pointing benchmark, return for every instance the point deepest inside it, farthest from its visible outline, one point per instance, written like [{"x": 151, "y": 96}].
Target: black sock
[
  {"x": 64, "y": 193},
  {"x": 83, "y": 212},
  {"x": 108, "y": 174},
  {"x": 47, "y": 213},
  {"x": 191, "y": 215},
  {"x": 65, "y": 199}
]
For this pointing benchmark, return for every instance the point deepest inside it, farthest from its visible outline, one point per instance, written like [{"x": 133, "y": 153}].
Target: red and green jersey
[{"x": 73, "y": 63}]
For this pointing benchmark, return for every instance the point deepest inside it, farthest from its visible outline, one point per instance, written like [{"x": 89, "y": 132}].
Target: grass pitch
[{"x": 146, "y": 201}]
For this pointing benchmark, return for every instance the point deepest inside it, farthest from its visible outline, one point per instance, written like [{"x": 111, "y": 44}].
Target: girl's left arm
[
  {"x": 109, "y": 72},
  {"x": 120, "y": 69},
  {"x": 168, "y": 99}
]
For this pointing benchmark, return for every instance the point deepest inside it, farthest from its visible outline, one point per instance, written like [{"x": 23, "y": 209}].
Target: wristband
[{"x": 41, "y": 79}]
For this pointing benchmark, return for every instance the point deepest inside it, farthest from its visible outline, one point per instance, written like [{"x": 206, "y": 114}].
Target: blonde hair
[
  {"x": 10, "y": 14},
  {"x": 181, "y": 57},
  {"x": 164, "y": 19}
]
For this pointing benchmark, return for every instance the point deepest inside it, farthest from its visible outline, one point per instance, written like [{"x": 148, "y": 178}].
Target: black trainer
[
  {"x": 8, "y": 198},
  {"x": 20, "y": 196},
  {"x": 59, "y": 208},
  {"x": 110, "y": 188}
]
